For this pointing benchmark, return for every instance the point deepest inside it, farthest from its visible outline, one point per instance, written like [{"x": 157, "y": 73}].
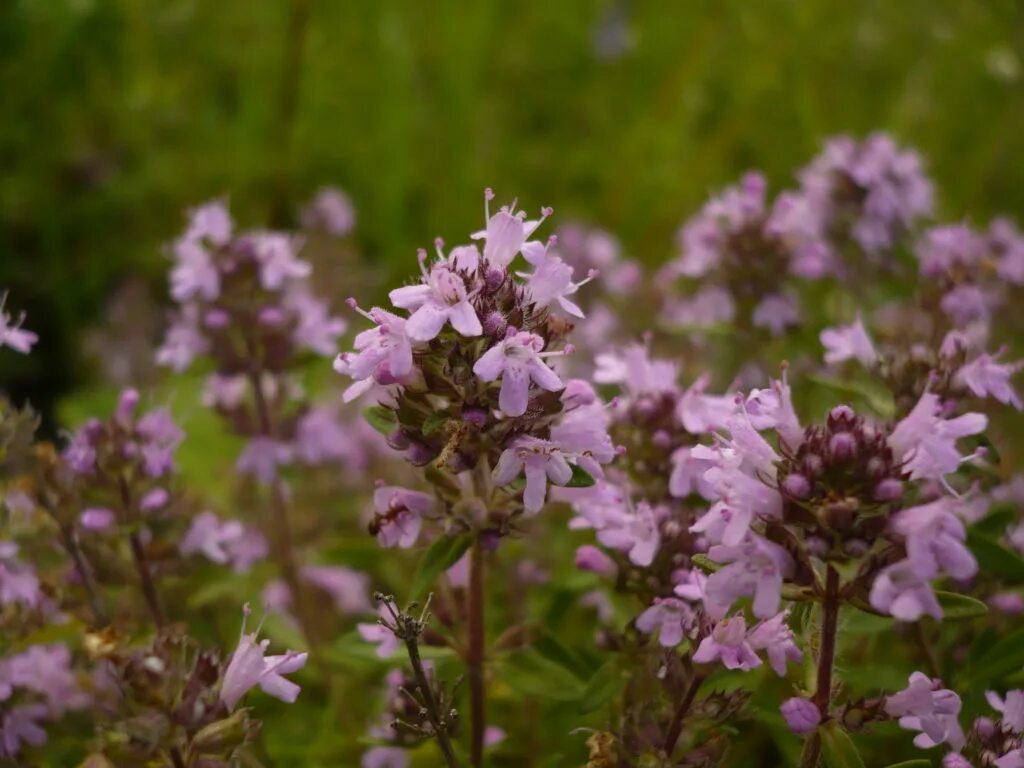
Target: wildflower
[
  {"x": 383, "y": 354},
  {"x": 984, "y": 377},
  {"x": 540, "y": 460},
  {"x": 924, "y": 706},
  {"x": 11, "y": 332},
  {"x": 755, "y": 567},
  {"x": 250, "y": 667},
  {"x": 506, "y": 232},
  {"x": 901, "y": 593},
  {"x": 935, "y": 540},
  {"x": 926, "y": 442},
  {"x": 224, "y": 541},
  {"x": 441, "y": 298},
  {"x": 728, "y": 643},
  {"x": 849, "y": 342},
  {"x": 590, "y": 558},
  {"x": 330, "y": 210},
  {"x": 1011, "y": 708},
  {"x": 517, "y": 360},
  {"x": 776, "y": 638},
  {"x": 635, "y": 531},
  {"x": 398, "y": 515},
  {"x": 670, "y": 617},
  {"x": 349, "y": 589}
]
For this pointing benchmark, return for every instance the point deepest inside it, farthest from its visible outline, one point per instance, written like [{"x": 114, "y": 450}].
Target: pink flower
[
  {"x": 636, "y": 531},
  {"x": 924, "y": 706},
  {"x": 728, "y": 643},
  {"x": 224, "y": 541},
  {"x": 249, "y": 667},
  {"x": 1011, "y": 708},
  {"x": 349, "y": 589},
  {"x": 776, "y": 312},
  {"x": 935, "y": 540},
  {"x": 442, "y": 298},
  {"x": 636, "y": 371},
  {"x": 383, "y": 354},
  {"x": 399, "y": 515},
  {"x": 380, "y": 635},
  {"x": 20, "y": 725},
  {"x": 540, "y": 460},
  {"x": 901, "y": 593},
  {"x": 669, "y": 617},
  {"x": 262, "y": 456},
  {"x": 926, "y": 443},
  {"x": 776, "y": 638},
  {"x": 688, "y": 474},
  {"x": 275, "y": 253},
  {"x": 332, "y": 211},
  {"x": 506, "y": 232},
  {"x": 756, "y": 568},
  {"x": 551, "y": 279},
  {"x": 700, "y": 413},
  {"x": 984, "y": 377},
  {"x": 517, "y": 360},
  {"x": 848, "y": 342}
]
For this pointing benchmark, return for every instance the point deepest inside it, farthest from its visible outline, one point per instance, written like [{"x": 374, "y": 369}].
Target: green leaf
[
  {"x": 434, "y": 422},
  {"x": 911, "y": 764},
  {"x": 995, "y": 557},
  {"x": 602, "y": 687},
  {"x": 705, "y": 563},
  {"x": 529, "y": 673},
  {"x": 553, "y": 650},
  {"x": 1003, "y": 658},
  {"x": 1000, "y": 516},
  {"x": 838, "y": 748},
  {"x": 580, "y": 478},
  {"x": 380, "y": 418},
  {"x": 957, "y": 606},
  {"x": 439, "y": 557}
]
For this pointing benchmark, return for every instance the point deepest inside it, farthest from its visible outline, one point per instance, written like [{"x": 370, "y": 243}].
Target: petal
[
  {"x": 491, "y": 363},
  {"x": 514, "y": 394},
  {"x": 426, "y": 322},
  {"x": 543, "y": 376},
  {"x": 464, "y": 320},
  {"x": 410, "y": 296},
  {"x": 536, "y": 487}
]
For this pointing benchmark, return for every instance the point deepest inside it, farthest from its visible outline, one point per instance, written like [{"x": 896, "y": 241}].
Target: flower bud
[
  {"x": 801, "y": 715},
  {"x": 889, "y": 489},
  {"x": 495, "y": 325},
  {"x": 493, "y": 278},
  {"x": 797, "y": 485},
  {"x": 842, "y": 446},
  {"x": 590, "y": 558}
]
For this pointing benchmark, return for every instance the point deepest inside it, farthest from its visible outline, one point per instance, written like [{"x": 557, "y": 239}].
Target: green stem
[
  {"x": 826, "y": 659},
  {"x": 475, "y": 654},
  {"x": 675, "y": 728}
]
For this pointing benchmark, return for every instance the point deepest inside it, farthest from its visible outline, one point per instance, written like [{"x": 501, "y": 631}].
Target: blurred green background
[{"x": 118, "y": 114}]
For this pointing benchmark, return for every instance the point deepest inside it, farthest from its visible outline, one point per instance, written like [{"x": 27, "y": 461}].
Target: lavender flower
[
  {"x": 249, "y": 667},
  {"x": 926, "y": 707}
]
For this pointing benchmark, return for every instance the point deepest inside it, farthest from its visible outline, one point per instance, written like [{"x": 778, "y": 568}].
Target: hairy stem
[
  {"x": 475, "y": 654},
  {"x": 434, "y": 715},
  {"x": 82, "y": 567},
  {"x": 826, "y": 659},
  {"x": 146, "y": 578},
  {"x": 675, "y": 728},
  {"x": 280, "y": 533}
]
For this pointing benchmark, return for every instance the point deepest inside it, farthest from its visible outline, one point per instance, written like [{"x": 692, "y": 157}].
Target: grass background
[{"x": 118, "y": 114}]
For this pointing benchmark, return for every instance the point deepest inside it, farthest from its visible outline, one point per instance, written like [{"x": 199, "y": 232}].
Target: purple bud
[
  {"x": 271, "y": 316},
  {"x": 495, "y": 325},
  {"x": 841, "y": 417},
  {"x": 856, "y": 547},
  {"x": 590, "y": 558},
  {"x": 797, "y": 485},
  {"x": 801, "y": 715},
  {"x": 956, "y": 760},
  {"x": 216, "y": 318},
  {"x": 126, "y": 405},
  {"x": 475, "y": 416},
  {"x": 1007, "y": 602},
  {"x": 419, "y": 454},
  {"x": 984, "y": 727},
  {"x": 813, "y": 464},
  {"x": 817, "y": 546},
  {"x": 155, "y": 499},
  {"x": 383, "y": 376},
  {"x": 397, "y": 439},
  {"x": 889, "y": 489},
  {"x": 876, "y": 467},
  {"x": 97, "y": 519},
  {"x": 842, "y": 446},
  {"x": 661, "y": 439},
  {"x": 493, "y": 278}
]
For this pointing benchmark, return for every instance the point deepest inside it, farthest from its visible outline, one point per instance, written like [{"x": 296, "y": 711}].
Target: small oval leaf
[
  {"x": 957, "y": 606},
  {"x": 439, "y": 557}
]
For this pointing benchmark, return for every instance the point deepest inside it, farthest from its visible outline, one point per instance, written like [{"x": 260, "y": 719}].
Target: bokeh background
[{"x": 118, "y": 114}]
